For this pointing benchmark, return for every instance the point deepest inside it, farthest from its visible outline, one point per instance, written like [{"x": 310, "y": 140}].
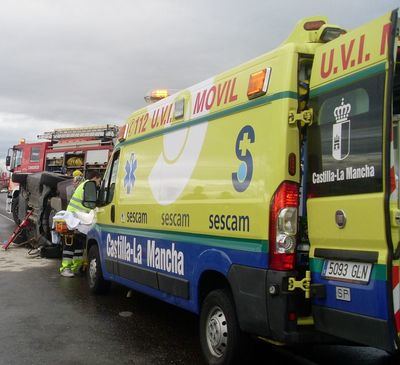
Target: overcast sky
[{"x": 84, "y": 62}]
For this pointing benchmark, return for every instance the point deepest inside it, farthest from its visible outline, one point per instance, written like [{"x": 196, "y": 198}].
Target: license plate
[{"x": 354, "y": 272}]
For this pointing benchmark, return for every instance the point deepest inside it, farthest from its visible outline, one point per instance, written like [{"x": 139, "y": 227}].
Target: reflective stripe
[
  {"x": 65, "y": 264},
  {"x": 78, "y": 251},
  {"x": 66, "y": 252},
  {"x": 75, "y": 204},
  {"x": 77, "y": 208}
]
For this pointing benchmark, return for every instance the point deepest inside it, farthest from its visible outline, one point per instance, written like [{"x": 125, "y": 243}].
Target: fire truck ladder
[
  {"x": 18, "y": 230},
  {"x": 106, "y": 131}
]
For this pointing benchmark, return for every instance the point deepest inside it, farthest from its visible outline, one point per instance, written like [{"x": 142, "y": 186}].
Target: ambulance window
[
  {"x": 35, "y": 154},
  {"x": 345, "y": 142},
  {"x": 358, "y": 99},
  {"x": 113, "y": 178},
  {"x": 106, "y": 193}
]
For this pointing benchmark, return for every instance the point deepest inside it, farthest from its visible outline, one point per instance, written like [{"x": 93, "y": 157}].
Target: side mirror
[
  {"x": 8, "y": 161},
  {"x": 89, "y": 195}
]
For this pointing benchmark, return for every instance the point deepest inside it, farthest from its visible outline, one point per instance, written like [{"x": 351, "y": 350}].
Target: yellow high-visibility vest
[{"x": 75, "y": 204}]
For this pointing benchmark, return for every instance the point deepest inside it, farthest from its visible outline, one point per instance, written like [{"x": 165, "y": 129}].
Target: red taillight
[
  {"x": 283, "y": 226},
  {"x": 313, "y": 25}
]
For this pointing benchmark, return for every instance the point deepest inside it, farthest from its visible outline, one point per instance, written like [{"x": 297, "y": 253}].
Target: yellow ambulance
[{"x": 265, "y": 199}]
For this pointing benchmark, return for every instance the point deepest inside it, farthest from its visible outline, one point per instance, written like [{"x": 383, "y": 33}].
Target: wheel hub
[{"x": 217, "y": 332}]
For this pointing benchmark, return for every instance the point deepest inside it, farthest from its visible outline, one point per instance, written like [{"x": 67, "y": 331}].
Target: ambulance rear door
[{"x": 352, "y": 227}]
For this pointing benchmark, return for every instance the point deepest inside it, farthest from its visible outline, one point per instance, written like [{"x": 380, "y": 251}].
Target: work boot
[{"x": 67, "y": 273}]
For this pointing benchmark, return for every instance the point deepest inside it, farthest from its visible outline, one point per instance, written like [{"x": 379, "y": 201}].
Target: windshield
[{"x": 16, "y": 158}]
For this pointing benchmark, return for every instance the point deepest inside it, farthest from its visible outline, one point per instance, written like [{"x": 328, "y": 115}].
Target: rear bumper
[
  {"x": 266, "y": 315},
  {"x": 354, "y": 327}
]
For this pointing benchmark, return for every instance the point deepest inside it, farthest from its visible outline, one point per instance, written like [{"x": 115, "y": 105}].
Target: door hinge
[
  {"x": 303, "y": 284},
  {"x": 395, "y": 217},
  {"x": 305, "y": 117}
]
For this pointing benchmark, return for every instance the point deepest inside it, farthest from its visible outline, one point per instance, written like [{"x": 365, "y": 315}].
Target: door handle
[{"x": 113, "y": 213}]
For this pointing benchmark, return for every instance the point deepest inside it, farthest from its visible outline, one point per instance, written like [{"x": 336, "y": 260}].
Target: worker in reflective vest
[
  {"x": 72, "y": 257},
  {"x": 75, "y": 204}
]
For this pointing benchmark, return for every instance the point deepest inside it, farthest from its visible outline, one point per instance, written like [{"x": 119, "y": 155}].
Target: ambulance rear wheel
[
  {"x": 220, "y": 335},
  {"x": 96, "y": 282}
]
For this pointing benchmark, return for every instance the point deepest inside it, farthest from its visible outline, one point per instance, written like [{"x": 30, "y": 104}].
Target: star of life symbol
[
  {"x": 341, "y": 131},
  {"x": 130, "y": 177}
]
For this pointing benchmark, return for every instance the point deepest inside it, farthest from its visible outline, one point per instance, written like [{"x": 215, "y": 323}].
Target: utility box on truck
[{"x": 266, "y": 198}]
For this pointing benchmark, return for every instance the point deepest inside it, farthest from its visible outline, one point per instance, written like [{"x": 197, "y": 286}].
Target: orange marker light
[
  {"x": 122, "y": 132},
  {"x": 258, "y": 83}
]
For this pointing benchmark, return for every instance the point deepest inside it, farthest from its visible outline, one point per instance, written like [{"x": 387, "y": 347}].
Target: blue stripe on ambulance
[
  {"x": 197, "y": 259},
  {"x": 369, "y": 300}
]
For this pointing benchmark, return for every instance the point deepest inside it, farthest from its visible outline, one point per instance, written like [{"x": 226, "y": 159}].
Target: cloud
[
  {"x": 14, "y": 126},
  {"x": 70, "y": 62}
]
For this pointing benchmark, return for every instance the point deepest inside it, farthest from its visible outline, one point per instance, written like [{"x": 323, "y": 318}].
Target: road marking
[{"x": 4, "y": 216}]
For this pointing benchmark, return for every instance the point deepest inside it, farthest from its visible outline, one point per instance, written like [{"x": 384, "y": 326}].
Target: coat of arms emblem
[{"x": 341, "y": 131}]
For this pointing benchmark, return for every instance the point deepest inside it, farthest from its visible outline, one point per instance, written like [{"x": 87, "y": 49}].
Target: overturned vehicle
[{"x": 42, "y": 194}]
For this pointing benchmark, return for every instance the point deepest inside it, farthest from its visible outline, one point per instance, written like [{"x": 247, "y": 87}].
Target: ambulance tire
[
  {"x": 220, "y": 335},
  {"x": 96, "y": 282}
]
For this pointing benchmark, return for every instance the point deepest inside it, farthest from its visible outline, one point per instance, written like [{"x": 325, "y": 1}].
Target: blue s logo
[{"x": 241, "y": 179}]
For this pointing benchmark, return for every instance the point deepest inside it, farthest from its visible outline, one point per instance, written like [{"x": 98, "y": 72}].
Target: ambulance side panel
[{"x": 192, "y": 196}]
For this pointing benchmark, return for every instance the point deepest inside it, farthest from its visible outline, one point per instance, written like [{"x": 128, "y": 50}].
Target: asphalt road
[{"x": 48, "y": 319}]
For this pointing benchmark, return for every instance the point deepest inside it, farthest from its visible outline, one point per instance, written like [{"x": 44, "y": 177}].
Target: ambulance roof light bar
[
  {"x": 155, "y": 95},
  {"x": 314, "y": 30},
  {"x": 110, "y": 131}
]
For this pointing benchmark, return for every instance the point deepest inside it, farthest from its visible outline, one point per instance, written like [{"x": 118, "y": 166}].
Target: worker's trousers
[{"x": 72, "y": 256}]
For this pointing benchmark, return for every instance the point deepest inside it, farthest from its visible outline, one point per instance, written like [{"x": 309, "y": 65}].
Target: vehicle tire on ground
[
  {"x": 14, "y": 210},
  {"x": 220, "y": 335},
  {"x": 96, "y": 282},
  {"x": 47, "y": 219}
]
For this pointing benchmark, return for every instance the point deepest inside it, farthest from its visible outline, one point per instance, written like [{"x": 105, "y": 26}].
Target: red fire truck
[{"x": 43, "y": 170}]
